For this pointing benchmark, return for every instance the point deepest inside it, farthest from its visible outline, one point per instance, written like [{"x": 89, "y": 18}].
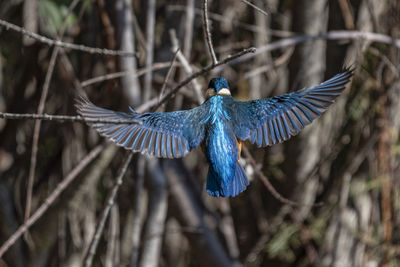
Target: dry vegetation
[{"x": 68, "y": 198}]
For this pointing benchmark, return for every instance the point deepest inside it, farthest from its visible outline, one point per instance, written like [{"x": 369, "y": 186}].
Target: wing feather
[
  {"x": 276, "y": 119},
  {"x": 169, "y": 134}
]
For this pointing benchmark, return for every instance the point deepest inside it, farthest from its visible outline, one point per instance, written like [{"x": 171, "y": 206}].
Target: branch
[
  {"x": 133, "y": 73},
  {"x": 63, "y": 118},
  {"x": 51, "y": 198},
  {"x": 150, "y": 22},
  {"x": 235, "y": 22},
  {"x": 188, "y": 32},
  {"x": 146, "y": 106},
  {"x": 156, "y": 215},
  {"x": 110, "y": 202},
  {"x": 36, "y": 131},
  {"x": 169, "y": 73},
  {"x": 186, "y": 65},
  {"x": 255, "y": 7},
  {"x": 58, "y": 43},
  {"x": 42, "y": 102},
  {"x": 332, "y": 35},
  {"x": 139, "y": 210},
  {"x": 268, "y": 184},
  {"x": 167, "y": 96},
  {"x": 207, "y": 33}
]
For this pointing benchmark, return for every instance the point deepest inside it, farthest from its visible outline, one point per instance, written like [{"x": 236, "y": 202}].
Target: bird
[{"x": 219, "y": 125}]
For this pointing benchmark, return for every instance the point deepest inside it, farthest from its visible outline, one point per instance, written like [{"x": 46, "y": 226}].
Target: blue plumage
[
  {"x": 220, "y": 123},
  {"x": 225, "y": 175},
  {"x": 218, "y": 83}
]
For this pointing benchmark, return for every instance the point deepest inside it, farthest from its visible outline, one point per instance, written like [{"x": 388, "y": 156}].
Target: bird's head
[{"x": 218, "y": 86}]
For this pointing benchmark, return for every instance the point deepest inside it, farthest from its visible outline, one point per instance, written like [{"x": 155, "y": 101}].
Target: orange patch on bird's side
[{"x": 239, "y": 143}]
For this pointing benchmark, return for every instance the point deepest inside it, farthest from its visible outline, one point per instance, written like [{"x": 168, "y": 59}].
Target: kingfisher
[{"x": 219, "y": 126}]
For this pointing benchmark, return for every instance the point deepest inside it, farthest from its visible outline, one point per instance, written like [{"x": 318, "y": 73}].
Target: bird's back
[{"x": 225, "y": 177}]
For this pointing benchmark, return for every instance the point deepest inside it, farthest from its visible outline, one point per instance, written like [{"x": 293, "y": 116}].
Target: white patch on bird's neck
[{"x": 224, "y": 91}]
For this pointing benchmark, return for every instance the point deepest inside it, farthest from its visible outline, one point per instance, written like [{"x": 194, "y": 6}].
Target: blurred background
[{"x": 348, "y": 159}]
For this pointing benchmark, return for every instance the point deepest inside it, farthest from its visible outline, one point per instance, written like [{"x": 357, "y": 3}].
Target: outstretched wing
[
  {"x": 167, "y": 135},
  {"x": 276, "y": 119}
]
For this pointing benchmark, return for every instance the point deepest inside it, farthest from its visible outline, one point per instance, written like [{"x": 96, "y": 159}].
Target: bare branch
[
  {"x": 63, "y": 118},
  {"x": 185, "y": 64},
  {"x": 146, "y": 106},
  {"x": 189, "y": 20},
  {"x": 58, "y": 43},
  {"x": 207, "y": 33},
  {"x": 51, "y": 198},
  {"x": 347, "y": 15},
  {"x": 235, "y": 22},
  {"x": 30, "y": 19},
  {"x": 168, "y": 73},
  {"x": 110, "y": 202},
  {"x": 166, "y": 97},
  {"x": 156, "y": 217},
  {"x": 255, "y": 7},
  {"x": 126, "y": 17},
  {"x": 268, "y": 184},
  {"x": 132, "y": 72},
  {"x": 139, "y": 211},
  {"x": 332, "y": 35},
  {"x": 150, "y": 22},
  {"x": 36, "y": 130}
]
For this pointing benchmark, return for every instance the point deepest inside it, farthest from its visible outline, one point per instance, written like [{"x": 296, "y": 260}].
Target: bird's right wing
[
  {"x": 167, "y": 135},
  {"x": 273, "y": 120}
]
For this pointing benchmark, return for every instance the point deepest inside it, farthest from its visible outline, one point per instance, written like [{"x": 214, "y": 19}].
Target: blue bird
[{"x": 219, "y": 125}]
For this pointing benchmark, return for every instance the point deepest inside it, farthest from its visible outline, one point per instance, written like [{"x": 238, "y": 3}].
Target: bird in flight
[{"x": 219, "y": 125}]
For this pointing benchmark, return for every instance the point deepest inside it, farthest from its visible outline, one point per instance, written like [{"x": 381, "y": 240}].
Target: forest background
[{"x": 327, "y": 197}]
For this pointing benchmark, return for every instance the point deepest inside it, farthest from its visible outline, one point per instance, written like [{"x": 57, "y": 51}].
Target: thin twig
[
  {"x": 306, "y": 239},
  {"x": 266, "y": 67},
  {"x": 156, "y": 215},
  {"x": 58, "y": 43},
  {"x": 268, "y": 184},
  {"x": 188, "y": 32},
  {"x": 207, "y": 33},
  {"x": 241, "y": 56},
  {"x": 150, "y": 22},
  {"x": 43, "y": 97},
  {"x": 139, "y": 211},
  {"x": 235, "y": 22},
  {"x": 332, "y": 35},
  {"x": 253, "y": 257},
  {"x": 255, "y": 7},
  {"x": 51, "y": 198},
  {"x": 186, "y": 65},
  {"x": 146, "y": 106},
  {"x": 167, "y": 96},
  {"x": 135, "y": 73},
  {"x": 347, "y": 15},
  {"x": 110, "y": 202},
  {"x": 168, "y": 74},
  {"x": 36, "y": 131},
  {"x": 130, "y": 84},
  {"x": 63, "y": 118}
]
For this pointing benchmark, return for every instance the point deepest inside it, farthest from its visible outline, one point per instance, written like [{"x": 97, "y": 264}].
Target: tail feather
[{"x": 219, "y": 187}]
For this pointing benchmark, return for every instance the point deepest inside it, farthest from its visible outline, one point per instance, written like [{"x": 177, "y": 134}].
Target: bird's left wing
[
  {"x": 273, "y": 120},
  {"x": 167, "y": 135}
]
